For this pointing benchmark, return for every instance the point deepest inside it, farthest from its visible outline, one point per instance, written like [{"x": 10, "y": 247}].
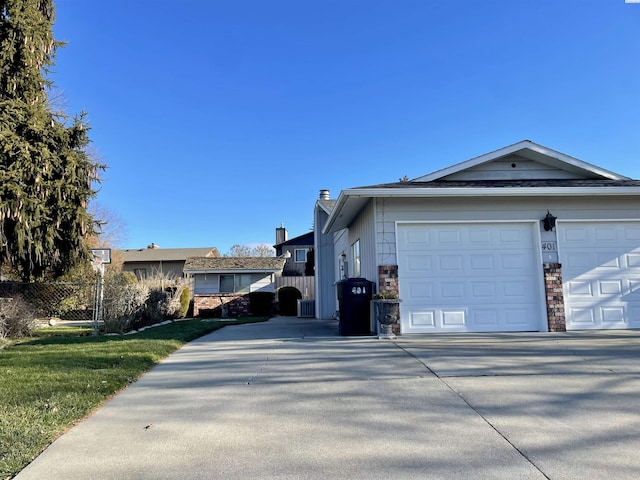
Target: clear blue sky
[{"x": 219, "y": 120}]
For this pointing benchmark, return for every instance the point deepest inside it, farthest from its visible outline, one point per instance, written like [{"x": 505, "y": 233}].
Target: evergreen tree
[{"x": 46, "y": 175}]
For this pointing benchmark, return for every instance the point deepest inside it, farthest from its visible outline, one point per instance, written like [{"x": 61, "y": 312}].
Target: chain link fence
[{"x": 58, "y": 301}]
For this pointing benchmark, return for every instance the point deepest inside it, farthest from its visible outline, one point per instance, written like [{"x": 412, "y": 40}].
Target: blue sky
[{"x": 220, "y": 120}]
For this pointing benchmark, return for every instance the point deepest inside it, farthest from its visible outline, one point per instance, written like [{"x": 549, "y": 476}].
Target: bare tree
[
  {"x": 111, "y": 230},
  {"x": 238, "y": 250},
  {"x": 263, "y": 250},
  {"x": 260, "y": 250}
]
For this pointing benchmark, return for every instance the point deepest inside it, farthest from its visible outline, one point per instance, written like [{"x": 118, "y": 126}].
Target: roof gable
[{"x": 524, "y": 160}]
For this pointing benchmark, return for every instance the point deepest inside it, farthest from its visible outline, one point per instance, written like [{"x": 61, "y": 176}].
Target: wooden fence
[{"x": 306, "y": 285}]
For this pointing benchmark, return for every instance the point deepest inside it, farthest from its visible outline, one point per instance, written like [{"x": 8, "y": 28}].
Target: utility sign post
[{"x": 99, "y": 258}]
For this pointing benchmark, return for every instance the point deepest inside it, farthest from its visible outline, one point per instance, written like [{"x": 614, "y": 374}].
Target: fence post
[{"x": 98, "y": 303}]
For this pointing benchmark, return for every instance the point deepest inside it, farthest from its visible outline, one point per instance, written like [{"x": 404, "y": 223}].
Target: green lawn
[{"x": 53, "y": 380}]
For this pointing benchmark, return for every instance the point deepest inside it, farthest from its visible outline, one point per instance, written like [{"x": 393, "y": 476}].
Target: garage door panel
[
  {"x": 633, "y": 260},
  {"x": 612, "y": 316},
  {"x": 582, "y": 316},
  {"x": 516, "y": 289},
  {"x": 481, "y": 277},
  {"x": 452, "y": 290},
  {"x": 480, "y": 236},
  {"x": 454, "y": 319},
  {"x": 610, "y": 287},
  {"x": 516, "y": 317},
  {"x": 579, "y": 288},
  {"x": 486, "y": 317},
  {"x": 601, "y": 274},
  {"x": 483, "y": 289},
  {"x": 424, "y": 320},
  {"x": 449, "y": 237},
  {"x": 451, "y": 263}
]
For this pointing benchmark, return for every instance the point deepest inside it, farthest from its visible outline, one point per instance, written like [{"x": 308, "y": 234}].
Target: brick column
[
  {"x": 554, "y": 296},
  {"x": 388, "y": 282},
  {"x": 388, "y": 278}
]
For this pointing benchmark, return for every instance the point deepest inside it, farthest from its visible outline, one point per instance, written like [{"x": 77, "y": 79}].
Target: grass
[{"x": 52, "y": 380}]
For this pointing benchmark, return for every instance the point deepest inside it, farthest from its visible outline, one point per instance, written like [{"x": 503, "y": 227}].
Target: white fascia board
[
  {"x": 333, "y": 215},
  {"x": 458, "y": 167}
]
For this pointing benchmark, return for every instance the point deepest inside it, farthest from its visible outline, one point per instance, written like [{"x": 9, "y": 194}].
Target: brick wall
[
  {"x": 554, "y": 297},
  {"x": 388, "y": 282},
  {"x": 388, "y": 278},
  {"x": 221, "y": 305}
]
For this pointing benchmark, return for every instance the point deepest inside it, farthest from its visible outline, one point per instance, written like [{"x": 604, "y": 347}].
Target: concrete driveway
[{"x": 290, "y": 399}]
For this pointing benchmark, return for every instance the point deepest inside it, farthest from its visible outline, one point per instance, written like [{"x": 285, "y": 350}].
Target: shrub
[
  {"x": 124, "y": 303},
  {"x": 17, "y": 317},
  {"x": 260, "y": 303},
  {"x": 185, "y": 299},
  {"x": 288, "y": 300}
]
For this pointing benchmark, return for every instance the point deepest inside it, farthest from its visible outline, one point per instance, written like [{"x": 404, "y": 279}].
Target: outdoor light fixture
[{"x": 549, "y": 222}]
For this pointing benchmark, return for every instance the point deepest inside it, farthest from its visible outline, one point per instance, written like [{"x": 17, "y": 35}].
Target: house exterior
[
  {"x": 221, "y": 285},
  {"x": 524, "y": 238},
  {"x": 146, "y": 262},
  {"x": 296, "y": 252}
]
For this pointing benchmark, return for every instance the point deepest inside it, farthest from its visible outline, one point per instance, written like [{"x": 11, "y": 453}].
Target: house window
[
  {"x": 226, "y": 283},
  {"x": 236, "y": 283},
  {"x": 355, "y": 258},
  {"x": 300, "y": 255},
  {"x": 243, "y": 282}
]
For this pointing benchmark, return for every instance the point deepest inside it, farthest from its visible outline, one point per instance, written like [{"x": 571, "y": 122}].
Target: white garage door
[
  {"x": 601, "y": 274},
  {"x": 472, "y": 277}
]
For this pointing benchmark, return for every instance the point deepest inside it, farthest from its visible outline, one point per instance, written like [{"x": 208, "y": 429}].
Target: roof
[
  {"x": 578, "y": 179},
  {"x": 306, "y": 239},
  {"x": 233, "y": 264},
  {"x": 165, "y": 254}
]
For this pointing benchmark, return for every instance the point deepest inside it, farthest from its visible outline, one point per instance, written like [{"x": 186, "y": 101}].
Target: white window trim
[{"x": 295, "y": 255}]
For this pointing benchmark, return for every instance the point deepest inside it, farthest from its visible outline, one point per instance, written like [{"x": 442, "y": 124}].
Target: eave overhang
[
  {"x": 227, "y": 272},
  {"x": 350, "y": 202}
]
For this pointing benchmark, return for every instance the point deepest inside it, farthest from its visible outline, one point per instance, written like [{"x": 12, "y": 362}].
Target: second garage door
[
  {"x": 601, "y": 274},
  {"x": 469, "y": 277}
]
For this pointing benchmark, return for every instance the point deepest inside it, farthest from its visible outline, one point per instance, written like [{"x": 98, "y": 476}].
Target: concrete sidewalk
[{"x": 291, "y": 399}]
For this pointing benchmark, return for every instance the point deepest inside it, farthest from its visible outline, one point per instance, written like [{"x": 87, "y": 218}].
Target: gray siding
[
  {"x": 390, "y": 211},
  {"x": 363, "y": 229},
  {"x": 325, "y": 271}
]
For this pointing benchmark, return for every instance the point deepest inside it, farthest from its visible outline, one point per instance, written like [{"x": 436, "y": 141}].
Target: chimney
[
  {"x": 281, "y": 234},
  {"x": 153, "y": 246},
  {"x": 324, "y": 194}
]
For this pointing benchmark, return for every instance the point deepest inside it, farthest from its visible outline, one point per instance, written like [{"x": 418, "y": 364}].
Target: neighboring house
[
  {"x": 524, "y": 238},
  {"x": 297, "y": 251},
  {"x": 146, "y": 262},
  {"x": 225, "y": 282}
]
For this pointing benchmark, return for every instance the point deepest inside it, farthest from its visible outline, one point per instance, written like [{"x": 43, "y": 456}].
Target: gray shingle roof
[
  {"x": 164, "y": 254},
  {"x": 228, "y": 264}
]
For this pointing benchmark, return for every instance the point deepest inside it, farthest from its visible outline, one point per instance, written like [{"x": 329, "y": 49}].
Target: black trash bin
[{"x": 354, "y": 298}]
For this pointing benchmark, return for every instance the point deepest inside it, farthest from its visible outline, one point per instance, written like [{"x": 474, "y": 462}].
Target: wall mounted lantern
[{"x": 549, "y": 222}]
